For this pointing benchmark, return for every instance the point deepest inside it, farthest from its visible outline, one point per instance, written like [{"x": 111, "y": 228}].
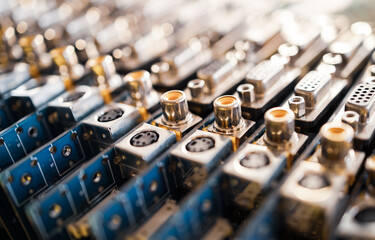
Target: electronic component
[
  {"x": 176, "y": 115},
  {"x": 105, "y": 77},
  {"x": 35, "y": 52},
  {"x": 22, "y": 138},
  {"x": 72, "y": 106},
  {"x": 131, "y": 206},
  {"x": 329, "y": 172},
  {"x": 358, "y": 219},
  {"x": 228, "y": 120},
  {"x": 82, "y": 189},
  {"x": 197, "y": 156},
  {"x": 314, "y": 96},
  {"x": 210, "y": 132},
  {"x": 111, "y": 122},
  {"x": 33, "y": 94},
  {"x": 37, "y": 172},
  {"x": 311, "y": 211},
  {"x": 358, "y": 113},
  {"x": 348, "y": 53},
  {"x": 252, "y": 171},
  {"x": 142, "y": 146},
  {"x": 264, "y": 92},
  {"x": 141, "y": 93},
  {"x": 10, "y": 80},
  {"x": 178, "y": 27},
  {"x": 67, "y": 62},
  {"x": 220, "y": 77},
  {"x": 180, "y": 63}
]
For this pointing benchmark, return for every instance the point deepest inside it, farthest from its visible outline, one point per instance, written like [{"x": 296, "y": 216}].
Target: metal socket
[
  {"x": 246, "y": 93},
  {"x": 161, "y": 70},
  {"x": 351, "y": 118},
  {"x": 279, "y": 125},
  {"x": 139, "y": 84},
  {"x": 175, "y": 107},
  {"x": 102, "y": 66},
  {"x": 227, "y": 110},
  {"x": 336, "y": 140},
  {"x": 196, "y": 87},
  {"x": 297, "y": 105}
]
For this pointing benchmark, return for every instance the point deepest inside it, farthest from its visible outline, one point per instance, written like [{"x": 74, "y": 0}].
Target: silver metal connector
[
  {"x": 279, "y": 126},
  {"x": 175, "y": 108},
  {"x": 362, "y": 101},
  {"x": 289, "y": 50},
  {"x": 246, "y": 93},
  {"x": 196, "y": 87},
  {"x": 336, "y": 140},
  {"x": 348, "y": 42},
  {"x": 297, "y": 105},
  {"x": 228, "y": 117},
  {"x": 139, "y": 83},
  {"x": 216, "y": 71},
  {"x": 313, "y": 87},
  {"x": 264, "y": 75},
  {"x": 102, "y": 66},
  {"x": 351, "y": 118},
  {"x": 66, "y": 59}
]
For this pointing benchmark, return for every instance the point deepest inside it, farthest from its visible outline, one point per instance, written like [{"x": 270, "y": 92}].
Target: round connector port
[
  {"x": 366, "y": 215},
  {"x": 73, "y": 96},
  {"x": 200, "y": 144},
  {"x": 144, "y": 138},
  {"x": 111, "y": 115},
  {"x": 255, "y": 160},
  {"x": 314, "y": 181}
]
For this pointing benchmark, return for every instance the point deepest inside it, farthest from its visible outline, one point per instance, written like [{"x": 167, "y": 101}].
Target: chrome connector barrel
[
  {"x": 175, "y": 108},
  {"x": 227, "y": 110},
  {"x": 139, "y": 84},
  {"x": 279, "y": 125},
  {"x": 246, "y": 94},
  {"x": 336, "y": 140}
]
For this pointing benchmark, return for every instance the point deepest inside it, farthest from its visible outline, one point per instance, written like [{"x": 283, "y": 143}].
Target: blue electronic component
[
  {"x": 81, "y": 190},
  {"x": 31, "y": 176},
  {"x": 133, "y": 203},
  {"x": 196, "y": 215},
  {"x": 23, "y": 137},
  {"x": 33, "y": 94},
  {"x": 5, "y": 116}
]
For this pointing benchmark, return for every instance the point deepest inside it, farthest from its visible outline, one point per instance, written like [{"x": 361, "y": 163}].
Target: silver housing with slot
[
  {"x": 111, "y": 130},
  {"x": 200, "y": 163},
  {"x": 79, "y": 108},
  {"x": 137, "y": 158},
  {"x": 37, "y": 92},
  {"x": 318, "y": 90},
  {"x": 303, "y": 208}
]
